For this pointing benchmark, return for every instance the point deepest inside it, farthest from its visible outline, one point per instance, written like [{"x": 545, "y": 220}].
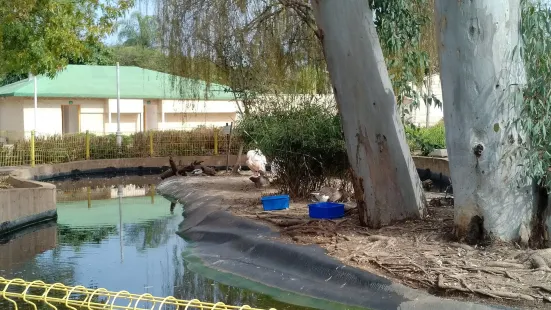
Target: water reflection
[
  {"x": 126, "y": 242},
  {"x": 94, "y": 189}
]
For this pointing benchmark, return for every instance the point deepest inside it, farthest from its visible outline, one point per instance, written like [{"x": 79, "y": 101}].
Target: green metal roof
[{"x": 82, "y": 81}]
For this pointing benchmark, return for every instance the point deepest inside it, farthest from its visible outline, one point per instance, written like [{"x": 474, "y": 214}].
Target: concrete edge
[
  {"x": 27, "y": 221},
  {"x": 28, "y": 189},
  {"x": 24, "y": 184},
  {"x": 435, "y": 164},
  {"x": 46, "y": 171},
  {"x": 235, "y": 245}
]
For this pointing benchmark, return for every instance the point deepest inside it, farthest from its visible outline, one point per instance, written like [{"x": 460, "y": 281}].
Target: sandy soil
[{"x": 419, "y": 254}]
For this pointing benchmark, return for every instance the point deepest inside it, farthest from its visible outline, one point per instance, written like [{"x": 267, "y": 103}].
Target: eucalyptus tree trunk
[
  {"x": 386, "y": 183},
  {"x": 481, "y": 75}
]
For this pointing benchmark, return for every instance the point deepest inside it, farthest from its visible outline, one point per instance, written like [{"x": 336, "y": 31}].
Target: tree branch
[{"x": 304, "y": 12}]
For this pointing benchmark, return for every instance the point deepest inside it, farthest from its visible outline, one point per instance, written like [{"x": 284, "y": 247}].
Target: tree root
[
  {"x": 539, "y": 263},
  {"x": 490, "y": 293},
  {"x": 463, "y": 246},
  {"x": 505, "y": 265},
  {"x": 543, "y": 288}
]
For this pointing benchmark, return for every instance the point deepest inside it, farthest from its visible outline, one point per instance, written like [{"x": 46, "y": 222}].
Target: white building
[{"x": 82, "y": 98}]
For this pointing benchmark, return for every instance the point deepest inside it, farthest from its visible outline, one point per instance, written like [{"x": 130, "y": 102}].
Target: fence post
[
  {"x": 87, "y": 145},
  {"x": 151, "y": 143},
  {"x": 215, "y": 141},
  {"x": 32, "y": 149}
]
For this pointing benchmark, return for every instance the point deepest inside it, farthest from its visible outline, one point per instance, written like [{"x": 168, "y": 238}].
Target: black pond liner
[
  {"x": 112, "y": 172},
  {"x": 247, "y": 249}
]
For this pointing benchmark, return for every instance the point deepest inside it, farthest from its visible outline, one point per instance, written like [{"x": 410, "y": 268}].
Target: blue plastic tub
[
  {"x": 326, "y": 210},
  {"x": 279, "y": 202}
]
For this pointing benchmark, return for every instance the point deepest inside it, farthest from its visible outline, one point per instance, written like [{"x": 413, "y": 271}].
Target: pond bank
[
  {"x": 122, "y": 166},
  {"x": 252, "y": 250}
]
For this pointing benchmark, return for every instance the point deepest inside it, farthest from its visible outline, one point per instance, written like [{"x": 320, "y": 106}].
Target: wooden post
[
  {"x": 228, "y": 151},
  {"x": 151, "y": 144},
  {"x": 32, "y": 149},
  {"x": 87, "y": 145},
  {"x": 215, "y": 141}
]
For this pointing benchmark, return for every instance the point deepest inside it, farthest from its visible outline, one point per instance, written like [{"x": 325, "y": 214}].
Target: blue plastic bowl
[
  {"x": 279, "y": 202},
  {"x": 326, "y": 210}
]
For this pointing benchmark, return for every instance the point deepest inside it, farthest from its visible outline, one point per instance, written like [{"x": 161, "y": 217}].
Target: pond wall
[
  {"x": 27, "y": 203},
  {"x": 435, "y": 164}
]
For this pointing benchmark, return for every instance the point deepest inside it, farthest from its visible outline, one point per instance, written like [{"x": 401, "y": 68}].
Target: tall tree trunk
[
  {"x": 387, "y": 185},
  {"x": 480, "y": 76}
]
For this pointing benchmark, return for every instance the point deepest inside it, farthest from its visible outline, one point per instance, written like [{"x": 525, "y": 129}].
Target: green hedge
[{"x": 426, "y": 139}]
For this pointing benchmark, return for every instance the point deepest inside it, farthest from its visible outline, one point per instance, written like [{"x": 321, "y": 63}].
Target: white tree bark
[
  {"x": 387, "y": 186},
  {"x": 480, "y": 74}
]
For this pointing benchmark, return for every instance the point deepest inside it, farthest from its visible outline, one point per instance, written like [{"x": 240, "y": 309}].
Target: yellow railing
[
  {"x": 19, "y": 292},
  {"x": 24, "y": 148}
]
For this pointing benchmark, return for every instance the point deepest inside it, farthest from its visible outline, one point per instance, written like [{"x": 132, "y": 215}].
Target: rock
[
  {"x": 427, "y": 184},
  {"x": 439, "y": 153}
]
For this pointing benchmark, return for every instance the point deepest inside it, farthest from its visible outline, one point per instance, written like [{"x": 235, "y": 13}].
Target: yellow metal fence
[
  {"x": 20, "y": 149},
  {"x": 19, "y": 292}
]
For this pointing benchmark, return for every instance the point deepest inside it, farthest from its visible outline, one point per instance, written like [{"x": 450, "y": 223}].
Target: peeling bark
[
  {"x": 480, "y": 77},
  {"x": 385, "y": 179}
]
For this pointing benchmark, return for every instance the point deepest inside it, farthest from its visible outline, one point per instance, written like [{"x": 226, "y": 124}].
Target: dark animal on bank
[{"x": 438, "y": 180}]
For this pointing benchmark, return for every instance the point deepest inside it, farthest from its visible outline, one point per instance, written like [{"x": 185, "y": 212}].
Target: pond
[{"x": 127, "y": 243}]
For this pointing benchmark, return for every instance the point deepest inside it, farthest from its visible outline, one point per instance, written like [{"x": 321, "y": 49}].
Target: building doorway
[{"x": 70, "y": 118}]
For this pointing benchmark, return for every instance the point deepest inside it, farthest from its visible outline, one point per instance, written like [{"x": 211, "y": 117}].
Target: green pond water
[{"x": 129, "y": 243}]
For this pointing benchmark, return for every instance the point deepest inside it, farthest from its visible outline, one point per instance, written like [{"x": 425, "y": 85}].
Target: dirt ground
[
  {"x": 419, "y": 254},
  {"x": 3, "y": 183}
]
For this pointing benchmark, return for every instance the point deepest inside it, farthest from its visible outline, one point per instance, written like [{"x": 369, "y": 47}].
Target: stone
[{"x": 439, "y": 153}]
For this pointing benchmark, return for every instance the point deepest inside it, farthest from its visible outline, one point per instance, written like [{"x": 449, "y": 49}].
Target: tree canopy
[
  {"x": 42, "y": 37},
  {"x": 139, "y": 30},
  {"x": 273, "y": 46}
]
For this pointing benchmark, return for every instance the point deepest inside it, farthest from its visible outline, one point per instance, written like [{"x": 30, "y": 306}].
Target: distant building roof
[{"x": 82, "y": 81}]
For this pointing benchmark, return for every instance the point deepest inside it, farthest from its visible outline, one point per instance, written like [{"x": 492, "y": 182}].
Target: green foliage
[
  {"x": 426, "y": 139},
  {"x": 400, "y": 26},
  {"x": 535, "y": 119},
  {"x": 11, "y": 78},
  {"x": 41, "y": 37},
  {"x": 96, "y": 53},
  {"x": 140, "y": 57},
  {"x": 304, "y": 140}
]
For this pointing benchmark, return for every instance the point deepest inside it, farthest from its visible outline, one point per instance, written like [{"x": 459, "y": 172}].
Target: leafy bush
[
  {"x": 535, "y": 121},
  {"x": 426, "y": 139},
  {"x": 304, "y": 139}
]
